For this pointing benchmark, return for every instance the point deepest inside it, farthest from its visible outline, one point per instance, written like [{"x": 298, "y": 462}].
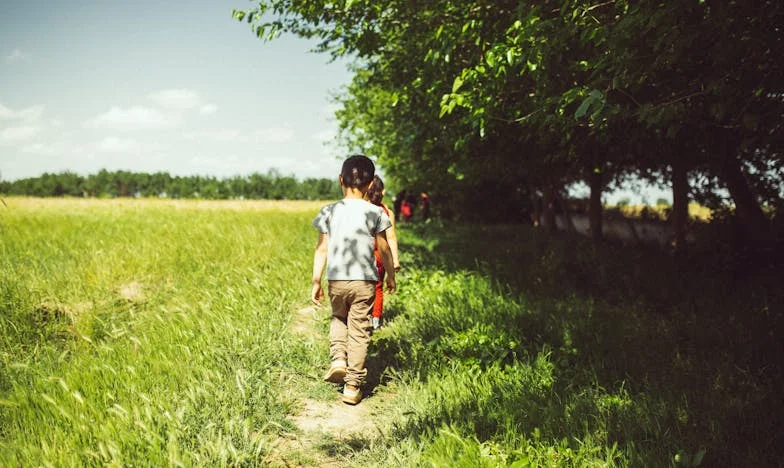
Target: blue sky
[
  {"x": 159, "y": 86},
  {"x": 172, "y": 86}
]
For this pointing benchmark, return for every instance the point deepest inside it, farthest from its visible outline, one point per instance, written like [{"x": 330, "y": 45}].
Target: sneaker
[
  {"x": 351, "y": 395},
  {"x": 336, "y": 372},
  {"x": 376, "y": 321}
]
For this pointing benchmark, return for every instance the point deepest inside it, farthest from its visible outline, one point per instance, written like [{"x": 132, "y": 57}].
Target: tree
[{"x": 532, "y": 96}]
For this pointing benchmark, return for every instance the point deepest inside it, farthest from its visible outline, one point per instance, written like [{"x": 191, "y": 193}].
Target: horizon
[
  {"x": 82, "y": 89},
  {"x": 271, "y": 171},
  {"x": 181, "y": 88}
]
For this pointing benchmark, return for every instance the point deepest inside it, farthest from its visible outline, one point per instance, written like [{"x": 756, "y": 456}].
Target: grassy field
[
  {"x": 533, "y": 350},
  {"x": 696, "y": 211},
  {"x": 148, "y": 332},
  {"x": 159, "y": 333}
]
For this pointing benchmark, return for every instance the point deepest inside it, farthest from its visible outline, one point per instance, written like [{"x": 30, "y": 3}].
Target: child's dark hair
[
  {"x": 376, "y": 192},
  {"x": 357, "y": 171}
]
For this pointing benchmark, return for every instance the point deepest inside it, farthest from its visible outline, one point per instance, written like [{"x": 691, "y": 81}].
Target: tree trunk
[
  {"x": 680, "y": 203},
  {"x": 595, "y": 204},
  {"x": 549, "y": 210},
  {"x": 753, "y": 221},
  {"x": 633, "y": 231},
  {"x": 567, "y": 216},
  {"x": 536, "y": 209}
]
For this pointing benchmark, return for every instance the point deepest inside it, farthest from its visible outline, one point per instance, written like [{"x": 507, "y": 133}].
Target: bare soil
[{"x": 329, "y": 429}]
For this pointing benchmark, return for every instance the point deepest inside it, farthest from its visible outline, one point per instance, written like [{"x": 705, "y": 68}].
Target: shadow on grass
[
  {"x": 342, "y": 448},
  {"x": 633, "y": 347}
]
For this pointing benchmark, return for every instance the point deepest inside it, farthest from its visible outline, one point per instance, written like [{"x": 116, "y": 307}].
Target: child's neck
[{"x": 353, "y": 193}]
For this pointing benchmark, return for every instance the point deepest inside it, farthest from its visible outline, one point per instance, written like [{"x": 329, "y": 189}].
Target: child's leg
[
  {"x": 359, "y": 329},
  {"x": 338, "y": 328},
  {"x": 378, "y": 304}
]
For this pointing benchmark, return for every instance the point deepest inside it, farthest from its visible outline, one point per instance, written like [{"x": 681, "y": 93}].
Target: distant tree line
[{"x": 271, "y": 185}]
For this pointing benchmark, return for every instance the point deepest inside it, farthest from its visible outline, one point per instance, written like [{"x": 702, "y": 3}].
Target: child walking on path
[
  {"x": 375, "y": 196},
  {"x": 347, "y": 232}
]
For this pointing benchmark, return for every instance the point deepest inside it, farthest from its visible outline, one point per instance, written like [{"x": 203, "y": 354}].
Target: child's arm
[
  {"x": 392, "y": 241},
  {"x": 386, "y": 259},
  {"x": 319, "y": 260}
]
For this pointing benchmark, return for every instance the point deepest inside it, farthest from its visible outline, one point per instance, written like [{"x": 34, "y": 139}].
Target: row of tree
[
  {"x": 511, "y": 100},
  {"x": 271, "y": 185}
]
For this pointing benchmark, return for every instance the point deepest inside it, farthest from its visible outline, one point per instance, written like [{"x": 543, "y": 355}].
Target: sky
[
  {"x": 147, "y": 86},
  {"x": 176, "y": 86}
]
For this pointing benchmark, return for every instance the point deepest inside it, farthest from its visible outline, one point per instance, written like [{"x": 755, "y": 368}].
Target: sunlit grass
[
  {"x": 696, "y": 211},
  {"x": 157, "y": 332},
  {"x": 190, "y": 204},
  {"x": 148, "y": 331}
]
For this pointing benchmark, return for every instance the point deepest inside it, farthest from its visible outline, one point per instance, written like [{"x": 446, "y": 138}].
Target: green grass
[
  {"x": 157, "y": 333},
  {"x": 512, "y": 347},
  {"x": 154, "y": 333}
]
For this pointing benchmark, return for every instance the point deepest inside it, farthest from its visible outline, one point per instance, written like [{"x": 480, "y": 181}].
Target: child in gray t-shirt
[{"x": 348, "y": 230}]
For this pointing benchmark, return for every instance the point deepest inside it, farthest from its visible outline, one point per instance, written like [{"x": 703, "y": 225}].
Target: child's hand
[
  {"x": 391, "y": 285},
  {"x": 316, "y": 294}
]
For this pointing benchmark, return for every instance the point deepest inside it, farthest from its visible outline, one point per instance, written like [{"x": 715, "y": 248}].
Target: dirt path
[{"x": 329, "y": 430}]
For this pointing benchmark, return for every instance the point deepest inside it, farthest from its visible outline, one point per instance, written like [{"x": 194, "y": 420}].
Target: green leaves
[
  {"x": 449, "y": 102},
  {"x": 619, "y": 75},
  {"x": 238, "y": 15},
  {"x": 457, "y": 83},
  {"x": 595, "y": 100}
]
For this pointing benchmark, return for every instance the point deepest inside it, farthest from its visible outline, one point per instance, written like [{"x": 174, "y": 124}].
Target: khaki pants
[{"x": 350, "y": 328}]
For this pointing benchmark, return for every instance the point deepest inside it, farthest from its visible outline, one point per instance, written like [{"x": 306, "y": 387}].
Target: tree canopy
[{"x": 473, "y": 100}]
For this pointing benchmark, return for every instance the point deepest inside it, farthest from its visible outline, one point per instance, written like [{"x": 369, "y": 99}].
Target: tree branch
[
  {"x": 518, "y": 120},
  {"x": 597, "y": 6}
]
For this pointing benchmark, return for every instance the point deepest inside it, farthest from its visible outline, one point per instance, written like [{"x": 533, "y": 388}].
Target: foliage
[
  {"x": 271, "y": 186},
  {"x": 533, "y": 96}
]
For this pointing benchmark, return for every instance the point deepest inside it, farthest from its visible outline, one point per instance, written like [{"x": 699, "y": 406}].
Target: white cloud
[
  {"x": 6, "y": 113},
  {"x": 39, "y": 148},
  {"x": 52, "y": 148},
  {"x": 117, "y": 145},
  {"x": 324, "y": 136},
  {"x": 182, "y": 99},
  {"x": 217, "y": 165},
  {"x": 31, "y": 114},
  {"x": 262, "y": 136},
  {"x": 177, "y": 99},
  {"x": 132, "y": 118},
  {"x": 18, "y": 134},
  {"x": 223, "y": 136},
  {"x": 28, "y": 114},
  {"x": 208, "y": 109},
  {"x": 273, "y": 135},
  {"x": 16, "y": 55}
]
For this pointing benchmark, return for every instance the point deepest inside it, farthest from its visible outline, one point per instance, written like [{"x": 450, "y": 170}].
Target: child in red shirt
[{"x": 375, "y": 195}]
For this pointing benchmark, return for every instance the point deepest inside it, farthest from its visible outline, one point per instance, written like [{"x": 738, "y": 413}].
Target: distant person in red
[
  {"x": 375, "y": 195},
  {"x": 399, "y": 198},
  {"x": 425, "y": 206},
  {"x": 408, "y": 206},
  {"x": 406, "y": 210}
]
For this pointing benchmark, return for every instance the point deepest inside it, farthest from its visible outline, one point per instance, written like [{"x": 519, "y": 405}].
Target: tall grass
[
  {"x": 506, "y": 346},
  {"x": 150, "y": 332},
  {"x": 157, "y": 333}
]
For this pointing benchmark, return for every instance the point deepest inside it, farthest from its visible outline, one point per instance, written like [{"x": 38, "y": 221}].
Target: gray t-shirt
[{"x": 352, "y": 225}]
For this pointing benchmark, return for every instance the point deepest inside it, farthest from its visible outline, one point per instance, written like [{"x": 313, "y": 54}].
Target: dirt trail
[{"x": 330, "y": 429}]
